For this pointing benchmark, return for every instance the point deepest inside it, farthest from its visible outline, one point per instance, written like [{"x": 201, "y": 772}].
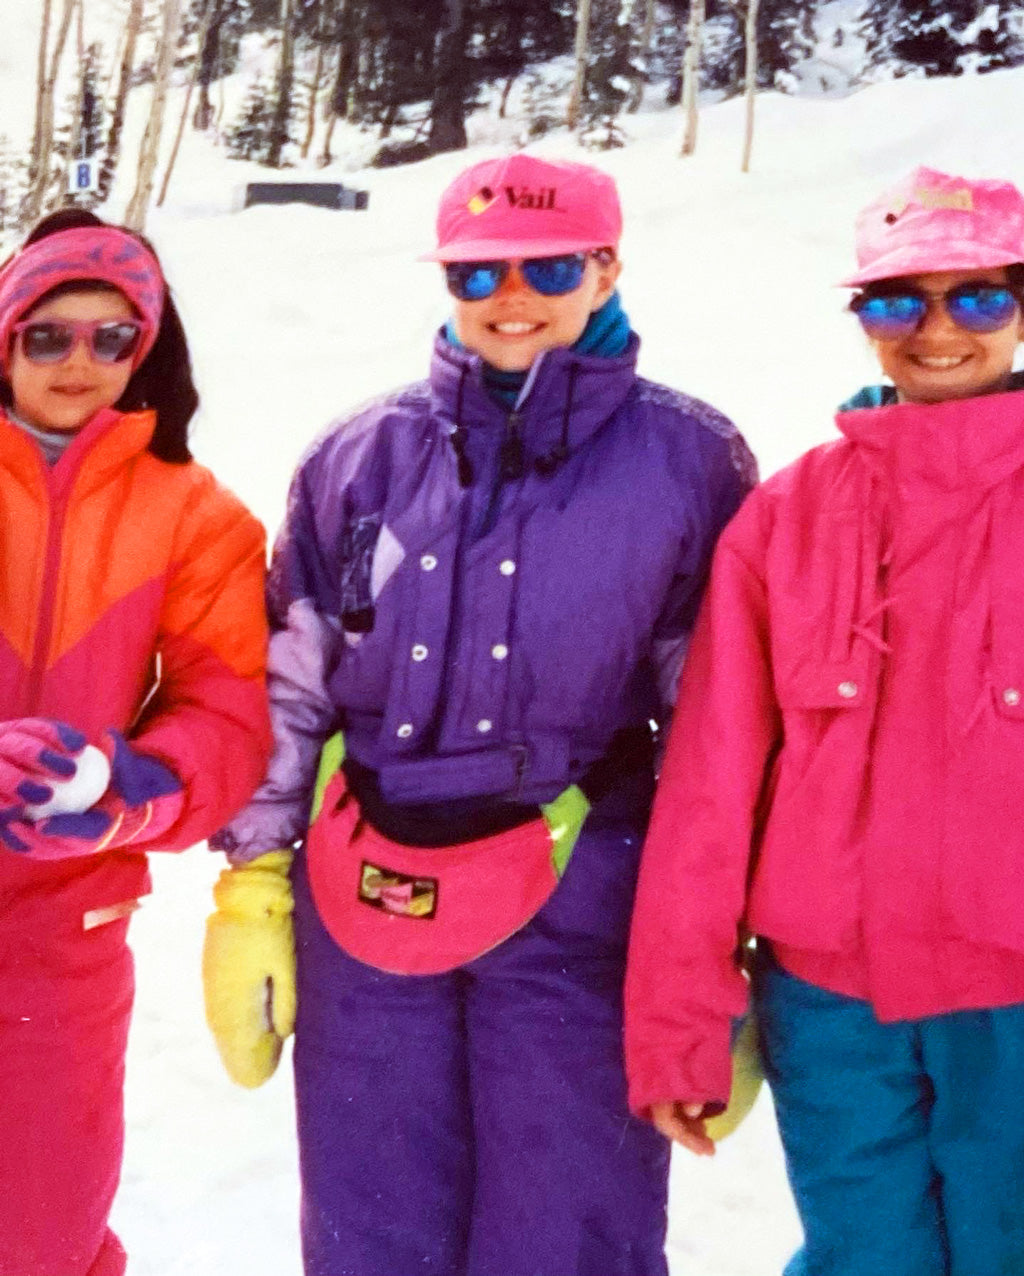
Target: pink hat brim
[
  {"x": 503, "y": 249},
  {"x": 924, "y": 258}
]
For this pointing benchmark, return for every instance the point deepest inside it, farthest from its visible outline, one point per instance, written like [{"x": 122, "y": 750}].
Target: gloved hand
[
  {"x": 249, "y": 967},
  {"x": 33, "y": 751},
  {"x": 143, "y": 797},
  {"x": 747, "y": 1077}
]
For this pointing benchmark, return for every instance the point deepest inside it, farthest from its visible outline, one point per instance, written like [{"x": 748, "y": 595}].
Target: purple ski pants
[{"x": 475, "y": 1123}]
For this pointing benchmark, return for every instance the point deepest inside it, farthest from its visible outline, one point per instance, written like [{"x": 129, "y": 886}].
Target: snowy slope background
[{"x": 295, "y": 315}]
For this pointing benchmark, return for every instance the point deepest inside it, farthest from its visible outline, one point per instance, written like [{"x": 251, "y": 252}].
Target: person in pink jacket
[{"x": 844, "y": 780}]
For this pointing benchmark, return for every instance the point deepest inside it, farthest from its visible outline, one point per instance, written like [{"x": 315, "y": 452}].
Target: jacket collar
[
  {"x": 567, "y": 398},
  {"x": 103, "y": 444},
  {"x": 962, "y": 443}
]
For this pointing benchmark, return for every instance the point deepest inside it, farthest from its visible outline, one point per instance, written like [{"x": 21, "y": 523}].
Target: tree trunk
[
  {"x": 135, "y": 216},
  {"x": 314, "y": 88},
  {"x": 642, "y": 54},
  {"x": 209, "y": 56},
  {"x": 113, "y": 151},
  {"x": 37, "y": 128},
  {"x": 75, "y": 141},
  {"x": 691, "y": 75},
  {"x": 750, "y": 89},
  {"x": 572, "y": 114},
  {"x": 38, "y": 189},
  {"x": 448, "y": 107},
  {"x": 285, "y": 79},
  {"x": 204, "y": 27}
]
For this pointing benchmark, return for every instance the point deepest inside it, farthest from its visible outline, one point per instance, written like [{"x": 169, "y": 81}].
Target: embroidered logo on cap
[
  {"x": 482, "y": 200},
  {"x": 393, "y": 892},
  {"x": 546, "y": 198}
]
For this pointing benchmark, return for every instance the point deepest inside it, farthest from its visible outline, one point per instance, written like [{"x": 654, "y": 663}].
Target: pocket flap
[{"x": 844, "y": 684}]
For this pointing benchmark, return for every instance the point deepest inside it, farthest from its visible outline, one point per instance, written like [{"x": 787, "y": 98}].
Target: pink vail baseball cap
[
  {"x": 522, "y": 206},
  {"x": 103, "y": 253},
  {"x": 934, "y": 221}
]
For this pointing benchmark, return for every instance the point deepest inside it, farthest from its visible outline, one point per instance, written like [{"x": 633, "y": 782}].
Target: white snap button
[
  {"x": 499, "y": 651},
  {"x": 404, "y": 731},
  {"x": 484, "y": 725},
  {"x": 419, "y": 652},
  {"x": 847, "y": 690},
  {"x": 507, "y": 567},
  {"x": 428, "y": 562},
  {"x": 1011, "y": 696}
]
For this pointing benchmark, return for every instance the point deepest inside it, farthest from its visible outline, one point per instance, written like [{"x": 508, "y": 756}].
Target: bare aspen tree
[
  {"x": 750, "y": 88},
  {"x": 691, "y": 75},
  {"x": 135, "y": 215},
  {"x": 112, "y": 152},
  {"x": 75, "y": 144},
  {"x": 204, "y": 26},
  {"x": 572, "y": 114},
  {"x": 314, "y": 87},
  {"x": 37, "y": 191},
  {"x": 37, "y": 128},
  {"x": 643, "y": 52}
]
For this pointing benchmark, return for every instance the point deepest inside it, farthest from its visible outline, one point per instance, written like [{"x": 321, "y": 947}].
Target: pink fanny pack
[{"x": 420, "y": 911}]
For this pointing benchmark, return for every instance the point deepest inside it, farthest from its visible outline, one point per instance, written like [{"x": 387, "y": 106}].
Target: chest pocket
[
  {"x": 358, "y": 542},
  {"x": 827, "y": 612}
]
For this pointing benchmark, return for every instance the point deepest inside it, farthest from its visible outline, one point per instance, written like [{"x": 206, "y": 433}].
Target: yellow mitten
[
  {"x": 746, "y": 1082},
  {"x": 249, "y": 966}
]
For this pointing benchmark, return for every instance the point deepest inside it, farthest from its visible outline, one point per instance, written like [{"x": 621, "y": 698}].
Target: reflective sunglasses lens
[
  {"x": 555, "y": 276},
  {"x": 981, "y": 309},
  {"x": 887, "y": 317},
  {"x": 474, "y": 280},
  {"x": 115, "y": 342},
  {"x": 46, "y": 342}
]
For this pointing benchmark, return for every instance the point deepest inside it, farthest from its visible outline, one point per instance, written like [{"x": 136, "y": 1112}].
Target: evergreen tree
[
  {"x": 249, "y": 137},
  {"x": 785, "y": 37},
  {"x": 943, "y": 37},
  {"x": 610, "y": 74}
]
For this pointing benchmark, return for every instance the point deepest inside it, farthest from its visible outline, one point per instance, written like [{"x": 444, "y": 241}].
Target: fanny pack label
[{"x": 398, "y": 893}]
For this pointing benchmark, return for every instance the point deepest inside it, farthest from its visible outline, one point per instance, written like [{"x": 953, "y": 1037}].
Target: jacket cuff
[{"x": 700, "y": 1072}]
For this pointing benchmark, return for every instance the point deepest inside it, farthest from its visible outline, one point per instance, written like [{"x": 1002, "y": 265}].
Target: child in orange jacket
[{"x": 132, "y": 651}]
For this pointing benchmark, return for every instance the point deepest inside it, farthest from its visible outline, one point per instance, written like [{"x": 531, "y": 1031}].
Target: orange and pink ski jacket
[
  {"x": 132, "y": 597},
  {"x": 845, "y": 771}
]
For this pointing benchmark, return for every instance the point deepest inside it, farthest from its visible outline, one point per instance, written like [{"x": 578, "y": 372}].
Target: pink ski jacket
[{"x": 845, "y": 771}]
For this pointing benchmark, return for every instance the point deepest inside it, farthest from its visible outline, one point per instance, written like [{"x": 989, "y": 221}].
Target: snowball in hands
[{"x": 79, "y": 791}]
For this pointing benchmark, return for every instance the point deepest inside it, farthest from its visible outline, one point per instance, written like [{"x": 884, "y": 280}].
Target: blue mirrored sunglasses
[
  {"x": 897, "y": 313},
  {"x": 551, "y": 276}
]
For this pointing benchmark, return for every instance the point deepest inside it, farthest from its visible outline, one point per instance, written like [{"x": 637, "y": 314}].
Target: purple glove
[
  {"x": 143, "y": 796},
  {"x": 33, "y": 751}
]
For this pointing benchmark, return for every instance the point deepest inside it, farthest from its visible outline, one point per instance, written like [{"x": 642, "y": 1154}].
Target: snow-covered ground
[{"x": 297, "y": 314}]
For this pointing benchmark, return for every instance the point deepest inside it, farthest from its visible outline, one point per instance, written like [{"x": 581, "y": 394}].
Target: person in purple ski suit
[{"x": 486, "y": 582}]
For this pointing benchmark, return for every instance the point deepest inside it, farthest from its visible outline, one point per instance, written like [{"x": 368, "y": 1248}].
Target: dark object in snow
[{"x": 322, "y": 194}]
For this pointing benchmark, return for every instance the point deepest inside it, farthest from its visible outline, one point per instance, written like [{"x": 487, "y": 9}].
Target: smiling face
[
  {"x": 64, "y": 396},
  {"x": 941, "y": 361},
  {"x": 512, "y": 326}
]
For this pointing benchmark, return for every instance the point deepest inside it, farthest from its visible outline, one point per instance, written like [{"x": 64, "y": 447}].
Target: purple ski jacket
[{"x": 480, "y": 599}]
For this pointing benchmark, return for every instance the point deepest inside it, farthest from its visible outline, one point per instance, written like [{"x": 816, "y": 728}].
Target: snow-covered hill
[{"x": 296, "y": 314}]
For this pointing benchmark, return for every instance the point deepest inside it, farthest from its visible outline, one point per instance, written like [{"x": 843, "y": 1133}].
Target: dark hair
[
  {"x": 1015, "y": 277},
  {"x": 163, "y": 381}
]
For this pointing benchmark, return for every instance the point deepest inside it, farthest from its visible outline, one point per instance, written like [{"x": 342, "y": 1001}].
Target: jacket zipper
[{"x": 57, "y": 512}]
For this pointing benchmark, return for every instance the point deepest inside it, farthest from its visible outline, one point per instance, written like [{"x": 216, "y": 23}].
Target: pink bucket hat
[
  {"x": 934, "y": 221},
  {"x": 521, "y": 206},
  {"x": 101, "y": 253}
]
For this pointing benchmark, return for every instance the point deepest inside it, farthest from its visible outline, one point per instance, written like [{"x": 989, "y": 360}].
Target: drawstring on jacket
[
  {"x": 513, "y": 462},
  {"x": 458, "y": 436},
  {"x": 547, "y": 464}
]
